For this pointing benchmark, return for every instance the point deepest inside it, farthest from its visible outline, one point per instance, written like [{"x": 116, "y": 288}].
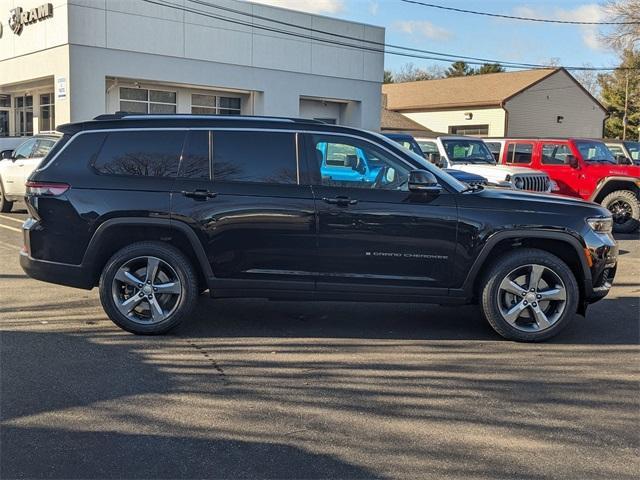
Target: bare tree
[
  {"x": 627, "y": 35},
  {"x": 410, "y": 73},
  {"x": 588, "y": 79}
]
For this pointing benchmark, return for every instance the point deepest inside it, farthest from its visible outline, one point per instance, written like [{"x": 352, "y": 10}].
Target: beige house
[{"x": 544, "y": 102}]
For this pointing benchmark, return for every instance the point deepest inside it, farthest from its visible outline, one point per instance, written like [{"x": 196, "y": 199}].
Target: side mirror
[
  {"x": 572, "y": 161},
  {"x": 422, "y": 181},
  {"x": 6, "y": 155}
]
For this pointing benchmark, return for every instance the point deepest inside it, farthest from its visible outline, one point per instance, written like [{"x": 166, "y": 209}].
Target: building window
[
  {"x": 47, "y": 113},
  {"x": 141, "y": 100},
  {"x": 5, "y": 111},
  {"x": 469, "y": 130},
  {"x": 202, "y": 104}
]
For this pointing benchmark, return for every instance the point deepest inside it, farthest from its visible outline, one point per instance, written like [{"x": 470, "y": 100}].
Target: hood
[
  {"x": 611, "y": 170},
  {"x": 497, "y": 173},
  {"x": 465, "y": 176},
  {"x": 506, "y": 199}
]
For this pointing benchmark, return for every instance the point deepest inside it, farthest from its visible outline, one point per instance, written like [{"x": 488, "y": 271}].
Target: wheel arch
[
  {"x": 608, "y": 185},
  {"x": 116, "y": 233},
  {"x": 563, "y": 245}
]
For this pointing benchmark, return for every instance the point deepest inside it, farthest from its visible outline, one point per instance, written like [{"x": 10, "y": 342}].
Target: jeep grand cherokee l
[{"x": 155, "y": 209}]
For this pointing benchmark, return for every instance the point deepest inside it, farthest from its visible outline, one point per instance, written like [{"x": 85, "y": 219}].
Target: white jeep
[
  {"x": 472, "y": 155},
  {"x": 16, "y": 166}
]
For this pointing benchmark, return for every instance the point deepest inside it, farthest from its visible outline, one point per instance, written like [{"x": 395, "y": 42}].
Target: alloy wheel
[
  {"x": 532, "y": 298},
  {"x": 621, "y": 211},
  {"x": 146, "y": 290}
]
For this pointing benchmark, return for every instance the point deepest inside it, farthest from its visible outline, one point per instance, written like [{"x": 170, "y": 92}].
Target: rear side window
[
  {"x": 141, "y": 153},
  {"x": 258, "y": 157},
  {"x": 519, "y": 153}
]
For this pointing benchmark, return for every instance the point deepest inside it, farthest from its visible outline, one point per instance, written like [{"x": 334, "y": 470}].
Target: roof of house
[
  {"x": 491, "y": 89},
  {"x": 396, "y": 122}
]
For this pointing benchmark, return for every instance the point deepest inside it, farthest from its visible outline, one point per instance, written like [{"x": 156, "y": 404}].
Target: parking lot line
[
  {"x": 11, "y": 228},
  {"x": 11, "y": 218}
]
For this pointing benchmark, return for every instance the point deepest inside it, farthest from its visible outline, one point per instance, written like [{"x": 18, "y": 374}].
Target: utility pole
[{"x": 625, "y": 119}]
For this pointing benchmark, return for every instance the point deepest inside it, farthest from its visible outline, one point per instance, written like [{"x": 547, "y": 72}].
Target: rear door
[
  {"x": 375, "y": 235},
  {"x": 243, "y": 194}
]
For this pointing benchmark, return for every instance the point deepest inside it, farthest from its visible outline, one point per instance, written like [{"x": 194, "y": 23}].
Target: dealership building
[{"x": 72, "y": 60}]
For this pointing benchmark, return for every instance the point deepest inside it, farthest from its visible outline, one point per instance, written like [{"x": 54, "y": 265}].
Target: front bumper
[{"x": 602, "y": 255}]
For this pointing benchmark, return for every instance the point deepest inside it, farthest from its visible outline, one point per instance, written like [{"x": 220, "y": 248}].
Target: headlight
[
  {"x": 601, "y": 224},
  {"x": 554, "y": 186}
]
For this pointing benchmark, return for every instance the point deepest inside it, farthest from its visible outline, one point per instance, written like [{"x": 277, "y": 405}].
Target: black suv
[{"x": 157, "y": 209}]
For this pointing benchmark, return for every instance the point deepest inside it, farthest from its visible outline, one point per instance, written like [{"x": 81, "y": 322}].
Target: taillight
[{"x": 42, "y": 189}]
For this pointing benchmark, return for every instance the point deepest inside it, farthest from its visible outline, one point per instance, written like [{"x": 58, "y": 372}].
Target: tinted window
[
  {"x": 141, "y": 153},
  {"x": 634, "y": 149},
  {"x": 555, "y": 154},
  {"x": 195, "y": 158},
  {"x": 519, "y": 153},
  {"x": 262, "y": 157}
]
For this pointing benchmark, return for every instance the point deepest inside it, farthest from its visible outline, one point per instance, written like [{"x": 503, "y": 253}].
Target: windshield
[
  {"x": 634, "y": 150},
  {"x": 425, "y": 165},
  {"x": 467, "y": 151},
  {"x": 592, "y": 151}
]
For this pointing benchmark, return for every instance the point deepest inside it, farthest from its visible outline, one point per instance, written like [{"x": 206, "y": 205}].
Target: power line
[
  {"x": 514, "y": 17},
  {"x": 351, "y": 45}
]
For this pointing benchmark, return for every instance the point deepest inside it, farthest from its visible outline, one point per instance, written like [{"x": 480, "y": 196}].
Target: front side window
[
  {"x": 25, "y": 149},
  {"x": 467, "y": 151},
  {"x": 348, "y": 162},
  {"x": 593, "y": 151},
  {"x": 634, "y": 150},
  {"x": 141, "y": 153},
  {"x": 256, "y": 157},
  {"x": 427, "y": 147},
  {"x": 142, "y": 100},
  {"x": 555, "y": 154},
  {"x": 519, "y": 153}
]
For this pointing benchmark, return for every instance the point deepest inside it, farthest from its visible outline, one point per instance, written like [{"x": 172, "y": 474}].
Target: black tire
[
  {"x": 491, "y": 295},
  {"x": 172, "y": 260},
  {"x": 5, "y": 205},
  {"x": 625, "y": 207}
]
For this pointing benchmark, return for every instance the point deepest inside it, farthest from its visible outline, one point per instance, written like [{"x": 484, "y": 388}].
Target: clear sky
[{"x": 471, "y": 35}]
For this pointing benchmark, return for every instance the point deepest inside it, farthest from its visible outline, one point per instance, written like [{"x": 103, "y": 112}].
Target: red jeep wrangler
[{"x": 581, "y": 168}]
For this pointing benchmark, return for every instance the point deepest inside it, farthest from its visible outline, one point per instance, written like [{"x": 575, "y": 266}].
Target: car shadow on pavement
[
  {"x": 115, "y": 455},
  {"x": 610, "y": 321}
]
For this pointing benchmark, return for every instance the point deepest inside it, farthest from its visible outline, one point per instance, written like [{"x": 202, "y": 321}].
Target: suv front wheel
[
  {"x": 529, "y": 295},
  {"x": 148, "y": 288}
]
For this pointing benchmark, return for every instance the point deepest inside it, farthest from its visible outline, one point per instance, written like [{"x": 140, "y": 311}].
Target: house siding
[
  {"x": 534, "y": 112},
  {"x": 440, "y": 121}
]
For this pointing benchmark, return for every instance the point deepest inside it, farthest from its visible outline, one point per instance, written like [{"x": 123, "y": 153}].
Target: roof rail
[{"x": 190, "y": 116}]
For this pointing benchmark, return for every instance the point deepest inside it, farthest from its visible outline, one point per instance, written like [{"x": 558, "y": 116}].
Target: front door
[
  {"x": 554, "y": 160},
  {"x": 14, "y": 175},
  {"x": 372, "y": 231},
  {"x": 241, "y": 192}
]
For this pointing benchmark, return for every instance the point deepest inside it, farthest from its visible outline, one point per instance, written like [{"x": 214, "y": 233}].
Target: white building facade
[{"x": 71, "y": 60}]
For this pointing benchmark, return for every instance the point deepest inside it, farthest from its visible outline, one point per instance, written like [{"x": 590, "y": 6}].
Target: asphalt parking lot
[{"x": 258, "y": 389}]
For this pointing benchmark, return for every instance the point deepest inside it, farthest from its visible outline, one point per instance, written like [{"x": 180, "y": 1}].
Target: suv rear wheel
[
  {"x": 625, "y": 208},
  {"x": 529, "y": 295},
  {"x": 5, "y": 205},
  {"x": 148, "y": 288}
]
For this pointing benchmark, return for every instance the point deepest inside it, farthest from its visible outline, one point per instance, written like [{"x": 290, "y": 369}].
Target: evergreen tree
[
  {"x": 458, "y": 69},
  {"x": 388, "y": 77},
  {"x": 613, "y": 87},
  {"x": 490, "y": 68}
]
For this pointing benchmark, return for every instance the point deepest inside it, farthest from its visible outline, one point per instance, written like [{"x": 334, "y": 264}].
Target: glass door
[{"x": 5, "y": 113}]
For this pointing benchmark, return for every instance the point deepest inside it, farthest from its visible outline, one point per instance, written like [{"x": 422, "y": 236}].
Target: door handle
[
  {"x": 199, "y": 194},
  {"x": 340, "y": 201}
]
